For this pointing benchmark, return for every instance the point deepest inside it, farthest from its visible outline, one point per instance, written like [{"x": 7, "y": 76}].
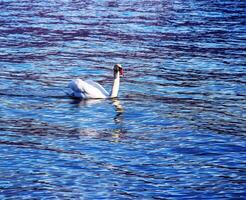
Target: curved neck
[{"x": 116, "y": 85}]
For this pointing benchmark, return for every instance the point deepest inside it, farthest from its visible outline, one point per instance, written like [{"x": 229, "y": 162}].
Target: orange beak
[{"x": 121, "y": 71}]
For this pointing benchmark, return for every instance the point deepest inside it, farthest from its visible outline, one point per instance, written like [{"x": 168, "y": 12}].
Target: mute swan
[{"x": 88, "y": 89}]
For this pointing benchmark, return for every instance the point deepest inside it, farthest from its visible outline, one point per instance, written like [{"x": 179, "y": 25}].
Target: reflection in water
[
  {"x": 118, "y": 119},
  {"x": 86, "y": 102},
  {"x": 118, "y": 106},
  {"x": 94, "y": 104}
]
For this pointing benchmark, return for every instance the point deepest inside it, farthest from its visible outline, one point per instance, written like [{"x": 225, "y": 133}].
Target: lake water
[{"x": 177, "y": 129}]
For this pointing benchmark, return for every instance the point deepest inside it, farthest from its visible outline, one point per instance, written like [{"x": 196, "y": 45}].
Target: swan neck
[{"x": 116, "y": 85}]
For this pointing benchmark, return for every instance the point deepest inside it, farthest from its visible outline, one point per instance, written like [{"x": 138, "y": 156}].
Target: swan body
[{"x": 88, "y": 89}]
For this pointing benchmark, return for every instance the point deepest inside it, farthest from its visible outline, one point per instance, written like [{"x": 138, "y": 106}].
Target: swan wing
[
  {"x": 87, "y": 89},
  {"x": 98, "y": 86}
]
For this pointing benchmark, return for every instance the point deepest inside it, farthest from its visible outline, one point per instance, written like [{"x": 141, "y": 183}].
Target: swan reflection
[
  {"x": 118, "y": 119},
  {"x": 86, "y": 102},
  {"x": 118, "y": 106},
  {"x": 90, "y": 121}
]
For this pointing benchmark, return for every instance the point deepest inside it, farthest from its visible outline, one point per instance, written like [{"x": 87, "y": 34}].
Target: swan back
[{"x": 87, "y": 89}]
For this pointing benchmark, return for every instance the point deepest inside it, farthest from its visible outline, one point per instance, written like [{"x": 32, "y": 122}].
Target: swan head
[{"x": 118, "y": 68}]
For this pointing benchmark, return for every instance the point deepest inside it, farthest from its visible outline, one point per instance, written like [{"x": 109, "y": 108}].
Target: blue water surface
[{"x": 177, "y": 129}]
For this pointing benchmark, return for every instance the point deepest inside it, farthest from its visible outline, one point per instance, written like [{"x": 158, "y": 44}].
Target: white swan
[{"x": 88, "y": 89}]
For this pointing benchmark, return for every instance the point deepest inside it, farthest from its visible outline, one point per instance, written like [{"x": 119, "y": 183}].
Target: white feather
[{"x": 87, "y": 89}]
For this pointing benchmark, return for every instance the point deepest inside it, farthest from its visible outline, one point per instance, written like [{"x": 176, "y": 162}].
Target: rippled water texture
[{"x": 177, "y": 130}]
